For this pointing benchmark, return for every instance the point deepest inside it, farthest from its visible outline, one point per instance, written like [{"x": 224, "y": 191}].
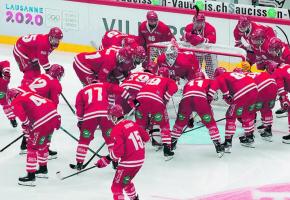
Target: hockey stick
[
  {"x": 58, "y": 174},
  {"x": 201, "y": 126},
  {"x": 64, "y": 130},
  {"x": 73, "y": 111},
  {"x": 8, "y": 145},
  {"x": 88, "y": 162},
  {"x": 284, "y": 34}
]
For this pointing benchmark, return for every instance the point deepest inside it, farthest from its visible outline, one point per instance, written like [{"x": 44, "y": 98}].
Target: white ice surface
[{"x": 194, "y": 171}]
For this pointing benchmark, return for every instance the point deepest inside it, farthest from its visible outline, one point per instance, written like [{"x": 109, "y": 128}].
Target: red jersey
[
  {"x": 92, "y": 100},
  {"x": 4, "y": 68},
  {"x": 100, "y": 63},
  {"x": 158, "y": 89},
  {"x": 46, "y": 86},
  {"x": 161, "y": 33},
  {"x": 115, "y": 38},
  {"x": 284, "y": 58},
  {"x": 208, "y": 32},
  {"x": 128, "y": 147},
  {"x": 196, "y": 88},
  {"x": 262, "y": 79},
  {"x": 136, "y": 81},
  {"x": 185, "y": 65},
  {"x": 35, "y": 47},
  {"x": 232, "y": 83},
  {"x": 282, "y": 77},
  {"x": 238, "y": 35},
  {"x": 32, "y": 108}
]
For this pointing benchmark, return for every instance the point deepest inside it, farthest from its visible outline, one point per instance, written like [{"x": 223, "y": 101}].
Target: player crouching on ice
[
  {"x": 40, "y": 118},
  {"x": 128, "y": 149},
  {"x": 195, "y": 99},
  {"x": 240, "y": 92}
]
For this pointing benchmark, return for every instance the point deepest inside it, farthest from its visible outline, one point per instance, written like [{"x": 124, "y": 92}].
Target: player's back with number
[
  {"x": 196, "y": 87},
  {"x": 46, "y": 86},
  {"x": 136, "y": 81},
  {"x": 237, "y": 82},
  {"x": 37, "y": 108},
  {"x": 129, "y": 142}
]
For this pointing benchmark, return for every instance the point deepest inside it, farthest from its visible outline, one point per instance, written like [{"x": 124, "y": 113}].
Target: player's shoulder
[{"x": 189, "y": 27}]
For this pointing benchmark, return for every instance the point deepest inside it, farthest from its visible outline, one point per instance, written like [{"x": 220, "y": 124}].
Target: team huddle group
[{"x": 111, "y": 91}]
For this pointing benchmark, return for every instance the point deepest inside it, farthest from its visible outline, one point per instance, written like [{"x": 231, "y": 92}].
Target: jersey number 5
[{"x": 136, "y": 139}]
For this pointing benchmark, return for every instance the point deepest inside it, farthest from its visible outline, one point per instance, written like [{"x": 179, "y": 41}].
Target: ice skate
[
  {"x": 42, "y": 172},
  {"x": 286, "y": 139},
  {"x": 167, "y": 152},
  {"x": 246, "y": 142},
  {"x": 219, "y": 148},
  {"x": 281, "y": 113},
  {"x": 227, "y": 145},
  {"x": 266, "y": 134},
  {"x": 28, "y": 180},
  {"x": 52, "y": 155}
]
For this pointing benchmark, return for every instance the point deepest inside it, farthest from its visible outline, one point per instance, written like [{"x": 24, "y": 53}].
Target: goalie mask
[
  {"x": 275, "y": 47},
  {"x": 171, "y": 54}
]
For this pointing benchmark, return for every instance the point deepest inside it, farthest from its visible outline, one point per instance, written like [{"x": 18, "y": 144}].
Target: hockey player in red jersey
[
  {"x": 243, "y": 30},
  {"x": 48, "y": 86},
  {"x": 134, "y": 83},
  {"x": 91, "y": 110},
  {"x": 128, "y": 149},
  {"x": 153, "y": 98},
  {"x": 180, "y": 64},
  {"x": 40, "y": 118},
  {"x": 267, "y": 92},
  {"x": 99, "y": 64},
  {"x": 195, "y": 99},
  {"x": 240, "y": 92},
  {"x": 153, "y": 30},
  {"x": 117, "y": 38},
  {"x": 200, "y": 32},
  {"x": 278, "y": 51},
  {"x": 282, "y": 77},
  {"x": 4, "y": 81},
  {"x": 32, "y": 51}
]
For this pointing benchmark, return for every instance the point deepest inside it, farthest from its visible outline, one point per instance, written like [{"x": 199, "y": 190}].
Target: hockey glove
[
  {"x": 190, "y": 123},
  {"x": 80, "y": 124},
  {"x": 27, "y": 128},
  {"x": 228, "y": 99},
  {"x": 103, "y": 162},
  {"x": 133, "y": 103},
  {"x": 196, "y": 40},
  {"x": 284, "y": 102}
]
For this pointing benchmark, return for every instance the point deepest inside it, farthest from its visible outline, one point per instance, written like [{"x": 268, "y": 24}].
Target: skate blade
[
  {"x": 52, "y": 157},
  {"x": 228, "y": 150},
  {"x": 248, "y": 145},
  {"x": 167, "y": 158},
  {"x": 261, "y": 130},
  {"x": 28, "y": 183},
  {"x": 220, "y": 154},
  {"x": 282, "y": 115},
  {"x": 44, "y": 176},
  {"x": 23, "y": 152},
  {"x": 268, "y": 139},
  {"x": 286, "y": 141}
]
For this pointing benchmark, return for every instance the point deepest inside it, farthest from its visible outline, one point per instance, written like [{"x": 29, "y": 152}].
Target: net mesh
[{"x": 209, "y": 55}]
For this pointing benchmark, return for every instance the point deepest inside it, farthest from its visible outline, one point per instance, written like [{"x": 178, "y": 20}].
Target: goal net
[{"x": 210, "y": 57}]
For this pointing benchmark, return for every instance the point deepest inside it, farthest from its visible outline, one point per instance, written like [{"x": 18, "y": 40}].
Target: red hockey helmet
[
  {"x": 55, "y": 35},
  {"x": 164, "y": 72},
  {"x": 199, "y": 75},
  {"x": 238, "y": 70},
  {"x": 271, "y": 66},
  {"x": 128, "y": 41},
  {"x": 218, "y": 71},
  {"x": 151, "y": 67},
  {"x": 124, "y": 54},
  {"x": 56, "y": 71},
  {"x": 244, "y": 24},
  {"x": 152, "y": 18},
  {"x": 139, "y": 55},
  {"x": 258, "y": 37},
  {"x": 198, "y": 21},
  {"x": 115, "y": 112},
  {"x": 13, "y": 93},
  {"x": 275, "y": 47}
]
